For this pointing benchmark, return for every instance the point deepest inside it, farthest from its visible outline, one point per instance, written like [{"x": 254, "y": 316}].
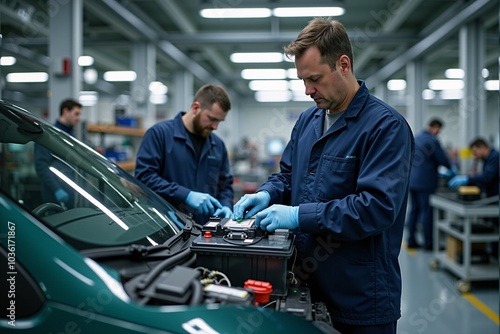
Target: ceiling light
[
  {"x": 256, "y": 57},
  {"x": 396, "y": 84},
  {"x": 88, "y": 98},
  {"x": 26, "y": 77},
  {"x": 7, "y": 61},
  {"x": 492, "y": 85},
  {"x": 90, "y": 76},
  {"x": 273, "y": 96},
  {"x": 428, "y": 94},
  {"x": 156, "y": 87},
  {"x": 292, "y": 73},
  {"x": 454, "y": 73},
  {"x": 446, "y": 84},
  {"x": 272, "y": 73},
  {"x": 85, "y": 60},
  {"x": 233, "y": 13},
  {"x": 300, "y": 96},
  {"x": 297, "y": 85},
  {"x": 451, "y": 94},
  {"x": 120, "y": 76},
  {"x": 308, "y": 11},
  {"x": 485, "y": 73},
  {"x": 158, "y": 98},
  {"x": 268, "y": 85}
]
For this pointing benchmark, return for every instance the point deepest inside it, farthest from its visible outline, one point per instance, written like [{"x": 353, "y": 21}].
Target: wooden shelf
[
  {"x": 113, "y": 129},
  {"x": 126, "y": 165}
]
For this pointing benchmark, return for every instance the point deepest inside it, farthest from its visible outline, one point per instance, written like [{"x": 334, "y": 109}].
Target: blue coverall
[
  {"x": 423, "y": 182},
  {"x": 49, "y": 182},
  {"x": 167, "y": 164},
  {"x": 488, "y": 179},
  {"x": 351, "y": 186}
]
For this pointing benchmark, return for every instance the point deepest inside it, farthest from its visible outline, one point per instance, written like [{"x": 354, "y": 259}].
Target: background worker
[
  {"x": 342, "y": 187},
  {"x": 429, "y": 155},
  {"x": 488, "y": 179},
  {"x": 185, "y": 162},
  {"x": 53, "y": 190}
]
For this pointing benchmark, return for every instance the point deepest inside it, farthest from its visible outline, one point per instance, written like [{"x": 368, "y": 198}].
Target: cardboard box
[{"x": 454, "y": 249}]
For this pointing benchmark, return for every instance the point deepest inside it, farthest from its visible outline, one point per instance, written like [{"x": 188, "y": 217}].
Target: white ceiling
[{"x": 385, "y": 34}]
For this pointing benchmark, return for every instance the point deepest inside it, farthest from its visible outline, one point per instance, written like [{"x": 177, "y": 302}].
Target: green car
[{"x": 113, "y": 257}]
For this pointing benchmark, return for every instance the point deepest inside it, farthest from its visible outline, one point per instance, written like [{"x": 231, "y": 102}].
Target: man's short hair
[
  {"x": 436, "y": 123},
  {"x": 209, "y": 94},
  {"x": 68, "y": 104},
  {"x": 478, "y": 142}
]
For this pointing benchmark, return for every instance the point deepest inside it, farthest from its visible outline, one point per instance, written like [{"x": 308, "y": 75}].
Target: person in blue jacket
[
  {"x": 342, "y": 187},
  {"x": 429, "y": 155},
  {"x": 186, "y": 163},
  {"x": 52, "y": 189},
  {"x": 488, "y": 179}
]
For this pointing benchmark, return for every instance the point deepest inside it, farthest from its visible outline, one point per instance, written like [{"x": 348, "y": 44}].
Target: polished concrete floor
[{"x": 431, "y": 303}]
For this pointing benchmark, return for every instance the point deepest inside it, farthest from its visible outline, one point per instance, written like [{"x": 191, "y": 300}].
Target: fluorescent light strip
[
  {"x": 120, "y": 76},
  {"x": 396, "y": 84},
  {"x": 454, "y": 73},
  {"x": 273, "y": 96},
  {"x": 27, "y": 77},
  {"x": 492, "y": 85},
  {"x": 257, "y": 57},
  {"x": 257, "y": 85},
  {"x": 249, "y": 13},
  {"x": 235, "y": 13},
  {"x": 7, "y": 61},
  {"x": 85, "y": 60},
  {"x": 261, "y": 73},
  {"x": 308, "y": 11},
  {"x": 446, "y": 84}
]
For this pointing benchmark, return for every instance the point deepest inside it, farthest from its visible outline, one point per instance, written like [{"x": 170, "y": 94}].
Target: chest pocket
[{"x": 336, "y": 177}]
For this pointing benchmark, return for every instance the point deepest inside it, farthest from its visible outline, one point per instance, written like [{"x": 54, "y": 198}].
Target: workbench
[{"x": 447, "y": 209}]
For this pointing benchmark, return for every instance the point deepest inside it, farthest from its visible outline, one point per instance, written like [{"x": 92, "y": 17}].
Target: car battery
[{"x": 242, "y": 252}]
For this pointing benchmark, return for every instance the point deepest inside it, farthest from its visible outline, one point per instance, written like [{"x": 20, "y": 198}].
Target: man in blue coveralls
[
  {"x": 184, "y": 162},
  {"x": 52, "y": 189},
  {"x": 429, "y": 155},
  {"x": 342, "y": 187}
]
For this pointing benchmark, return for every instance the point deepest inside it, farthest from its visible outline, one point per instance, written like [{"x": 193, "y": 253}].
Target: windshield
[{"x": 99, "y": 205}]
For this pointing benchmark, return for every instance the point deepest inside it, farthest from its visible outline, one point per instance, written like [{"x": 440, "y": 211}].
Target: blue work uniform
[
  {"x": 167, "y": 163},
  {"x": 48, "y": 180},
  {"x": 351, "y": 186},
  {"x": 429, "y": 155},
  {"x": 488, "y": 179}
]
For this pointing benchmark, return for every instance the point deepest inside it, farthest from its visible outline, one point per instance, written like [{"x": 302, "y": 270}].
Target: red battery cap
[{"x": 261, "y": 289}]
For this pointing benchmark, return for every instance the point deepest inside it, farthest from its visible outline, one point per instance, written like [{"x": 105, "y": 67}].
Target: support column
[
  {"x": 415, "y": 83},
  {"x": 472, "y": 107},
  {"x": 65, "y": 47},
  {"x": 183, "y": 93},
  {"x": 144, "y": 65}
]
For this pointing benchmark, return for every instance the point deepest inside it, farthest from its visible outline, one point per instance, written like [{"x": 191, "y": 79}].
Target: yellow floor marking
[{"x": 482, "y": 307}]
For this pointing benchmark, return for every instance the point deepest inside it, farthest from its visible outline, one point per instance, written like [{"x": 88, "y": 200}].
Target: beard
[{"x": 198, "y": 128}]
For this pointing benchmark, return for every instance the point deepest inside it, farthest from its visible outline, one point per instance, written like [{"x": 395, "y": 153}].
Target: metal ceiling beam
[
  {"x": 151, "y": 35},
  {"x": 470, "y": 12}
]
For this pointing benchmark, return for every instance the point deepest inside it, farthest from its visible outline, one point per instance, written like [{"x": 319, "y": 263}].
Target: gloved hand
[
  {"x": 202, "y": 203},
  {"x": 278, "y": 216},
  {"x": 61, "y": 196},
  {"x": 446, "y": 173},
  {"x": 458, "y": 181},
  {"x": 223, "y": 212},
  {"x": 255, "y": 202}
]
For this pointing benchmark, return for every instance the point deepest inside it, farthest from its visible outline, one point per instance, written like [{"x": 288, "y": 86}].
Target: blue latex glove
[
  {"x": 61, "y": 196},
  {"x": 278, "y": 216},
  {"x": 254, "y": 202},
  {"x": 458, "y": 181},
  {"x": 446, "y": 173},
  {"x": 202, "y": 203},
  {"x": 224, "y": 212}
]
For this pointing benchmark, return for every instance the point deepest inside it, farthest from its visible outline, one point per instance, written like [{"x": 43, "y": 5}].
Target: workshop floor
[{"x": 431, "y": 303}]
